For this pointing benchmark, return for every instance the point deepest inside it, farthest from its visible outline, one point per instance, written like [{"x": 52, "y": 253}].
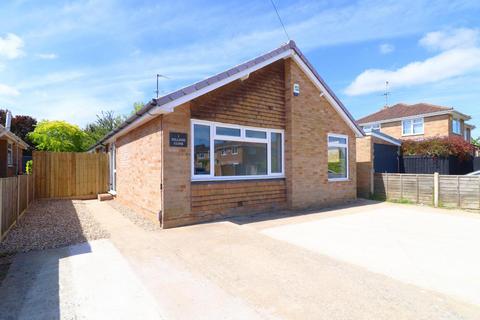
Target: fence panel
[
  {"x": 453, "y": 191},
  {"x": 70, "y": 174},
  {"x": 9, "y": 203}
]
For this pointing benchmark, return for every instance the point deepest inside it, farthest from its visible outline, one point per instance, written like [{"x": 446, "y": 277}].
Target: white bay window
[{"x": 232, "y": 152}]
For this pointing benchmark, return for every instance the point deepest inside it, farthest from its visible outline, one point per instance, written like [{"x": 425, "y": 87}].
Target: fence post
[
  {"x": 459, "y": 200},
  {"x": 418, "y": 189},
  {"x": 436, "y": 188},
  {"x": 372, "y": 181},
  {"x": 386, "y": 191},
  {"x": 18, "y": 197}
]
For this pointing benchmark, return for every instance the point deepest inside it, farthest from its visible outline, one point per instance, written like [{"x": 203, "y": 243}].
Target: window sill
[
  {"x": 210, "y": 179},
  {"x": 339, "y": 180},
  {"x": 413, "y": 134}
]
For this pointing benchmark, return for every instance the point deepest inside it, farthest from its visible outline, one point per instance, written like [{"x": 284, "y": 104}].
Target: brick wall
[
  {"x": 309, "y": 120},
  {"x": 10, "y": 171},
  {"x": 364, "y": 166},
  {"x": 139, "y": 168}
]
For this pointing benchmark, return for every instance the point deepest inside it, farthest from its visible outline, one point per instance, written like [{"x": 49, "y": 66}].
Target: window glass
[
  {"x": 276, "y": 152},
  {"x": 201, "y": 143},
  {"x": 224, "y": 131},
  {"x": 407, "y": 124},
  {"x": 340, "y": 140},
  {"x": 250, "y": 159},
  {"x": 456, "y": 126},
  {"x": 337, "y": 162},
  {"x": 255, "y": 134},
  {"x": 418, "y": 126},
  {"x": 9, "y": 154}
]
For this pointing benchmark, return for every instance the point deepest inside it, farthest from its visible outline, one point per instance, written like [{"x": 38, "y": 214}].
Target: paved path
[
  {"x": 225, "y": 270},
  {"x": 86, "y": 281}
]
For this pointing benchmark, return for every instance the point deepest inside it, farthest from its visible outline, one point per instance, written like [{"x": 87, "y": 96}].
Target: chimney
[{"x": 8, "y": 120}]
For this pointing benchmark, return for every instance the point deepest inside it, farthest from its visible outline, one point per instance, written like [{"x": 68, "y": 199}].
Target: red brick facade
[
  {"x": 15, "y": 168},
  {"x": 153, "y": 176}
]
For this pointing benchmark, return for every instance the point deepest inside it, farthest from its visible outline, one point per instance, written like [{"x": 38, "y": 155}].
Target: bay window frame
[{"x": 242, "y": 138}]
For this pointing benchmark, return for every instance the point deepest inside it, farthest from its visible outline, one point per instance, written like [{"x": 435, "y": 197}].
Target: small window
[
  {"x": 201, "y": 145},
  {"x": 9, "y": 154},
  {"x": 456, "y": 126},
  {"x": 234, "y": 150},
  {"x": 255, "y": 134},
  {"x": 337, "y": 157},
  {"x": 372, "y": 127},
  {"x": 223, "y": 131},
  {"x": 412, "y": 126}
]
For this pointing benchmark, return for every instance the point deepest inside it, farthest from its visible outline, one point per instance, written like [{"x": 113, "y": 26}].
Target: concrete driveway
[{"x": 430, "y": 248}]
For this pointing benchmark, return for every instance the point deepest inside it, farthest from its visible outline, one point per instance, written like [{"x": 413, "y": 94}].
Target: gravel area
[
  {"x": 135, "y": 217},
  {"x": 52, "y": 224}
]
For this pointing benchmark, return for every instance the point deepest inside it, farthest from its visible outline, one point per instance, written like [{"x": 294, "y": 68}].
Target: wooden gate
[{"x": 70, "y": 174}]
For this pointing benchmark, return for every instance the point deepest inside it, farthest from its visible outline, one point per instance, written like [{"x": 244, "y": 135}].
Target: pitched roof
[
  {"x": 12, "y": 136},
  {"x": 170, "y": 101},
  {"x": 401, "y": 110}
]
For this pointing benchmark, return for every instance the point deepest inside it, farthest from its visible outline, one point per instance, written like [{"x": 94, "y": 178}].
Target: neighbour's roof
[
  {"x": 9, "y": 134},
  {"x": 183, "y": 95},
  {"x": 402, "y": 110}
]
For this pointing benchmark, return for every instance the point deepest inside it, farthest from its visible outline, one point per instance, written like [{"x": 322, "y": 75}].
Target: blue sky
[{"x": 71, "y": 59}]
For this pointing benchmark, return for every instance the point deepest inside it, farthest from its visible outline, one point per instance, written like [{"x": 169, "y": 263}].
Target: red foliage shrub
[{"x": 439, "y": 147}]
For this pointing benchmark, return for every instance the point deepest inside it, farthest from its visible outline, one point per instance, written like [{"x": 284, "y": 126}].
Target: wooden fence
[
  {"x": 70, "y": 174},
  {"x": 430, "y": 189},
  {"x": 16, "y": 193}
]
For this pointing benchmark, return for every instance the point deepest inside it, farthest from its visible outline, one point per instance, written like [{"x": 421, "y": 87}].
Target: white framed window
[
  {"x": 9, "y": 155},
  {"x": 456, "y": 126},
  {"x": 337, "y": 157},
  {"x": 372, "y": 127},
  {"x": 412, "y": 127},
  {"x": 253, "y": 153}
]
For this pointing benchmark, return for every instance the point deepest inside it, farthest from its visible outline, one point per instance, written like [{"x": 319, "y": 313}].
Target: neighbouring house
[
  {"x": 418, "y": 121},
  {"x": 11, "y": 151},
  {"x": 267, "y": 134}
]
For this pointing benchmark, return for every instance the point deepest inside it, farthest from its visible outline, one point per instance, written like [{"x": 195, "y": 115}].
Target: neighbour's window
[
  {"x": 371, "y": 127},
  {"x": 9, "y": 154},
  {"x": 337, "y": 157},
  {"x": 468, "y": 136},
  {"x": 412, "y": 126},
  {"x": 237, "y": 152},
  {"x": 456, "y": 126}
]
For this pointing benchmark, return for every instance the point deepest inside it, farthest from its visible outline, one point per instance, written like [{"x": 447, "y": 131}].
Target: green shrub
[{"x": 29, "y": 167}]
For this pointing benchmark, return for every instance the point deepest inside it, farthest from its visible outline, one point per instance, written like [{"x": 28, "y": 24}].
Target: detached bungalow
[{"x": 267, "y": 134}]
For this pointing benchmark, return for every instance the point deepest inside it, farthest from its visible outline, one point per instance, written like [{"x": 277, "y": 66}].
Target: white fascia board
[
  {"x": 170, "y": 106},
  {"x": 425, "y": 115},
  {"x": 327, "y": 95},
  {"x": 373, "y": 134}
]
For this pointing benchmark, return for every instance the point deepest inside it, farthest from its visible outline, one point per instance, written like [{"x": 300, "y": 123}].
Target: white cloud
[
  {"x": 8, "y": 90},
  {"x": 386, "y": 48},
  {"x": 446, "y": 40},
  {"x": 456, "y": 59},
  {"x": 47, "y": 56},
  {"x": 11, "y": 46}
]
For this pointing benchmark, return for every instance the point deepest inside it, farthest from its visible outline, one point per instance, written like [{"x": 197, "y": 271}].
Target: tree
[
  {"x": 20, "y": 126},
  {"x": 476, "y": 142},
  {"x": 137, "y": 106},
  {"x": 106, "y": 122},
  {"x": 59, "y": 136}
]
